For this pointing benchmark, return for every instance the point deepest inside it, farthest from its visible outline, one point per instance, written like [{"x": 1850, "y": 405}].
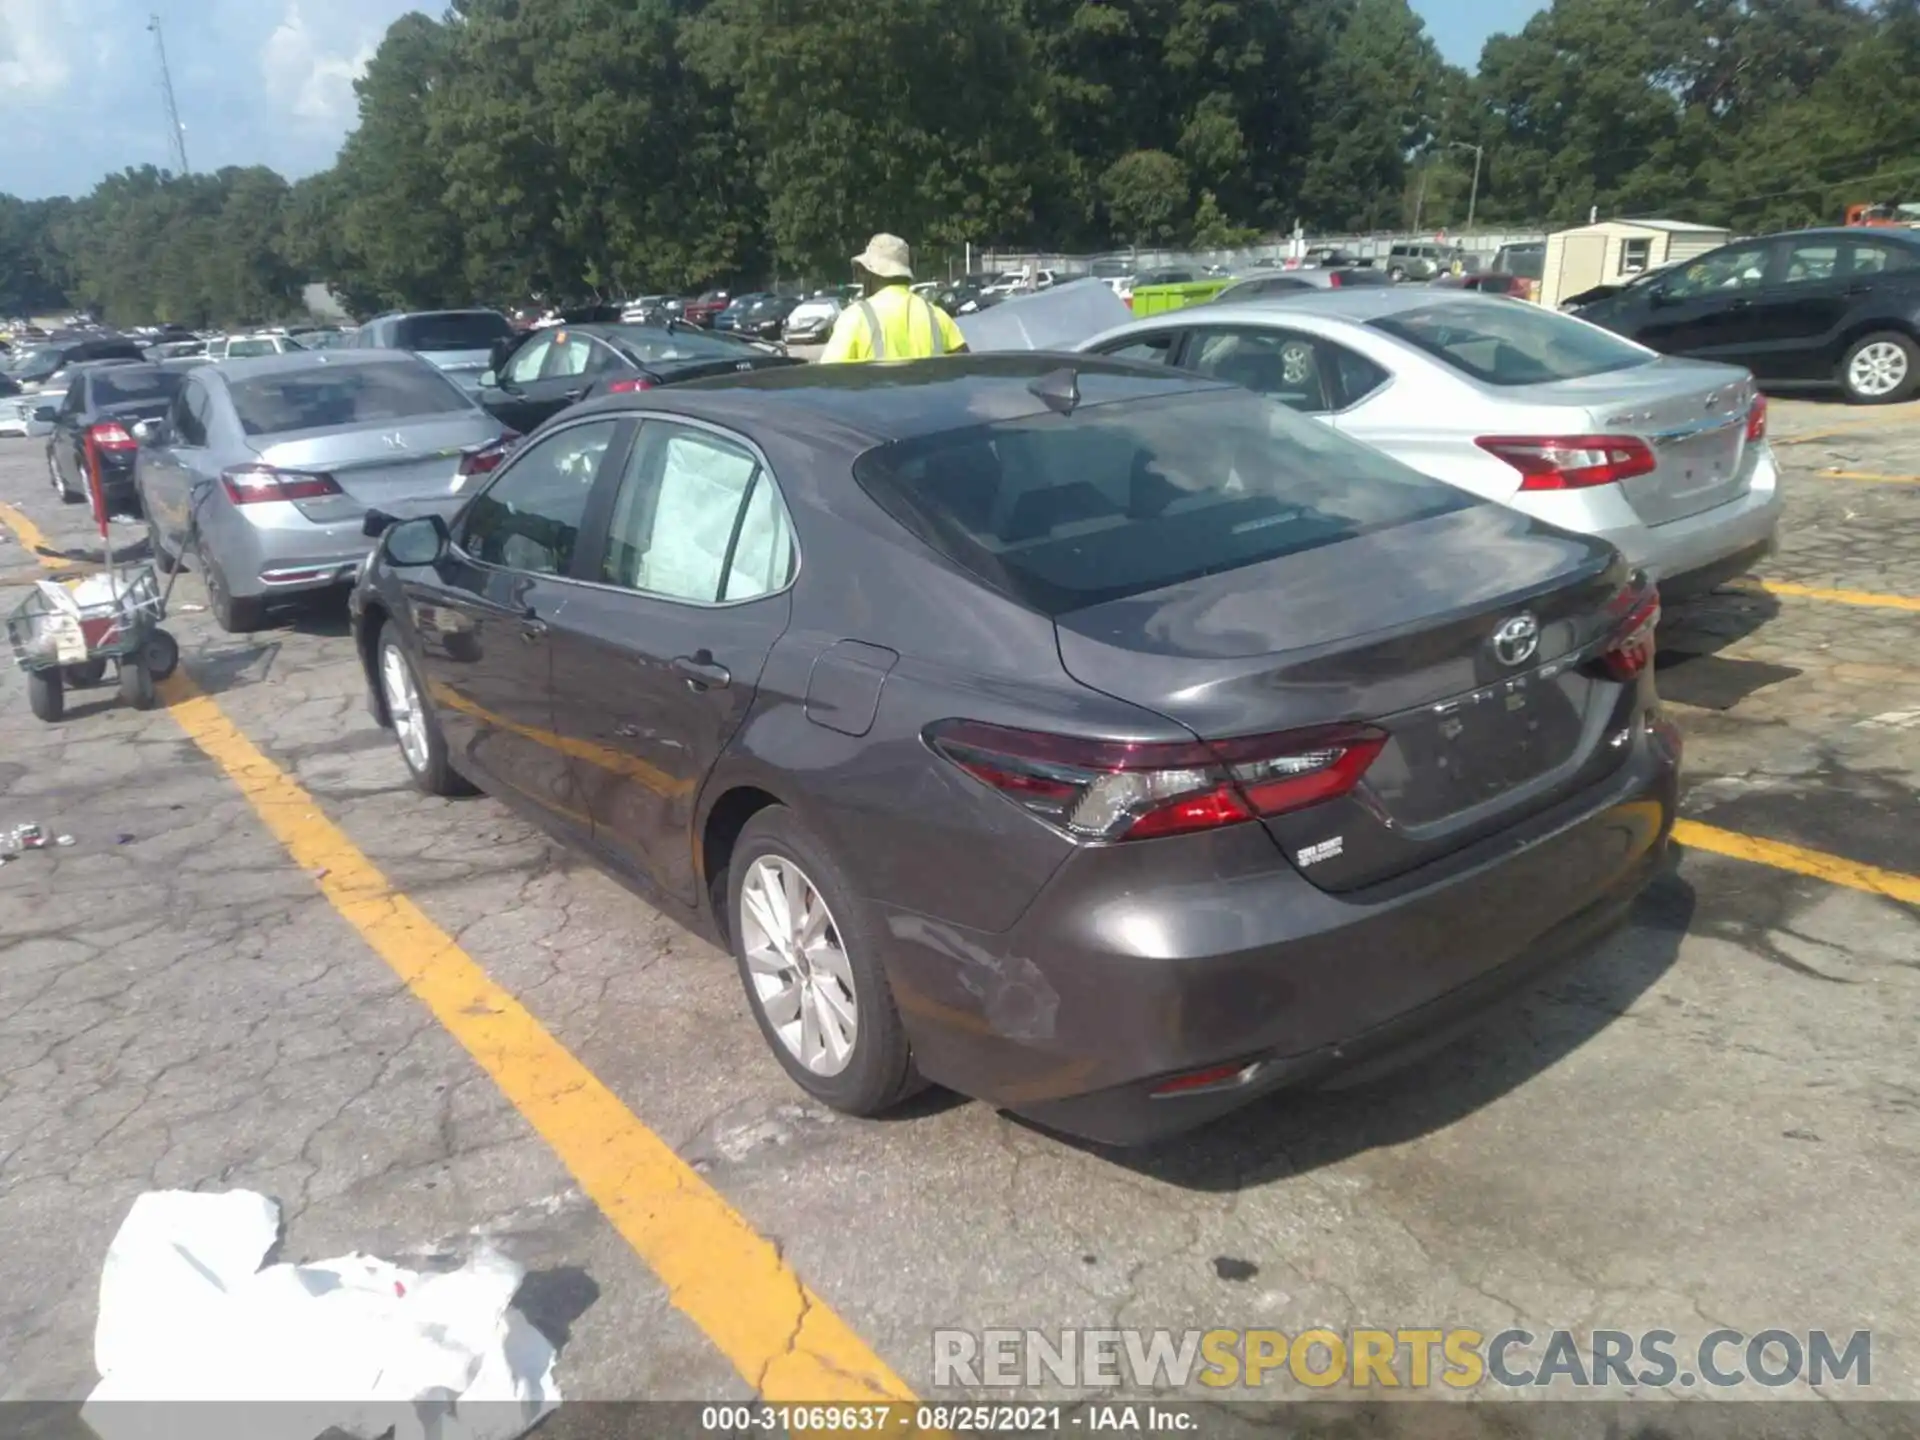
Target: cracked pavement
[{"x": 1713, "y": 1121}]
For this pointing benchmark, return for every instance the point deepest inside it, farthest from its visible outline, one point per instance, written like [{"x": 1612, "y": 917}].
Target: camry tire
[
  {"x": 809, "y": 959},
  {"x": 68, "y": 496},
  {"x": 1881, "y": 369},
  {"x": 237, "y": 614},
  {"x": 415, "y": 727},
  {"x": 163, "y": 559}
]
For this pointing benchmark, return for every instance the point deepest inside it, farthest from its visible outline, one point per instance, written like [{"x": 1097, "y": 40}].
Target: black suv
[{"x": 1834, "y": 308}]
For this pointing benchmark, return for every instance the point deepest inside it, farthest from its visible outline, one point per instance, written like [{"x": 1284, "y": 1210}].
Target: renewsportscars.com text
[{"x": 1416, "y": 1359}]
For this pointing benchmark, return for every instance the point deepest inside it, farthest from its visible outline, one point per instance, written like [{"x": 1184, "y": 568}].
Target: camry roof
[{"x": 885, "y": 402}]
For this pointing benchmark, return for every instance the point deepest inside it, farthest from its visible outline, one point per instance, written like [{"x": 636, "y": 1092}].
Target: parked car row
[{"x": 1015, "y": 726}]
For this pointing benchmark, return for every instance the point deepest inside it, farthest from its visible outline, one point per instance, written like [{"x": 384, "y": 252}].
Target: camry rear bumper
[
  {"x": 1145, "y": 963},
  {"x": 1678, "y": 549}
]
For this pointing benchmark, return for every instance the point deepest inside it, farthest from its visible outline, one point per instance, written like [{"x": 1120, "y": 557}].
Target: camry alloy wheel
[
  {"x": 403, "y": 704},
  {"x": 802, "y": 980},
  {"x": 1878, "y": 369}
]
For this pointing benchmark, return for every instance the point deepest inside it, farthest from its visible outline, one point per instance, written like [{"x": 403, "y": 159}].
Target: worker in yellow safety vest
[{"x": 891, "y": 323}]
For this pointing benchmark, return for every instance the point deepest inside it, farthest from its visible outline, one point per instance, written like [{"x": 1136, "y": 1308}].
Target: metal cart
[{"x": 62, "y": 646}]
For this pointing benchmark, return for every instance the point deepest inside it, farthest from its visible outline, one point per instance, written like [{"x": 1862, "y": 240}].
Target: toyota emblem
[{"x": 1516, "y": 640}]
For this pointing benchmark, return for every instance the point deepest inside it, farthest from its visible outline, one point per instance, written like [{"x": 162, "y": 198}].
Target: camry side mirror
[
  {"x": 489, "y": 379},
  {"x": 150, "y": 432},
  {"x": 1658, "y": 294},
  {"x": 45, "y": 414},
  {"x": 420, "y": 541}
]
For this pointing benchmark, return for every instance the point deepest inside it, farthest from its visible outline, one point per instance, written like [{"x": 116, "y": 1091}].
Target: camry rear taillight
[
  {"x": 1333, "y": 280},
  {"x": 1757, "y": 418},
  {"x": 628, "y": 384},
  {"x": 1572, "y": 462},
  {"x": 109, "y": 435},
  {"x": 485, "y": 459},
  {"x": 256, "y": 484},
  {"x": 1631, "y": 649},
  {"x": 1112, "y": 790}
]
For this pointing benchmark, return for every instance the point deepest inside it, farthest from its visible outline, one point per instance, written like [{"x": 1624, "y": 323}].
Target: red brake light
[
  {"x": 255, "y": 484},
  {"x": 1111, "y": 790},
  {"x": 1333, "y": 280},
  {"x": 627, "y": 384},
  {"x": 485, "y": 459},
  {"x": 108, "y": 435},
  {"x": 1572, "y": 462},
  {"x": 1757, "y": 418},
  {"x": 1632, "y": 649}
]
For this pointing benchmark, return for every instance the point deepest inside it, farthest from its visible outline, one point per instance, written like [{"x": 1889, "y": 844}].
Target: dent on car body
[{"x": 1015, "y": 998}]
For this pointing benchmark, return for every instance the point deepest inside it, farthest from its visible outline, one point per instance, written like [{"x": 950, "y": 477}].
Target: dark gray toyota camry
[{"x": 1099, "y": 741}]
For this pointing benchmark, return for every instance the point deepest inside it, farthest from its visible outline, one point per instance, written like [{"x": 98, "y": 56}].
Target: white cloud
[
  {"x": 307, "y": 80},
  {"x": 34, "y": 63}
]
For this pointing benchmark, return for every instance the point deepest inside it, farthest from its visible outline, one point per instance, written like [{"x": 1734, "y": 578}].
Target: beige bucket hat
[{"x": 888, "y": 257}]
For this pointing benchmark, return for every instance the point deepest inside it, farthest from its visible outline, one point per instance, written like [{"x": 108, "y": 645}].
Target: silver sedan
[
  {"x": 1666, "y": 458},
  {"x": 276, "y": 462}
]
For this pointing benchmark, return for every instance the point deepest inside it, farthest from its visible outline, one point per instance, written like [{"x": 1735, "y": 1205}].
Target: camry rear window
[
  {"x": 471, "y": 330},
  {"x": 322, "y": 396},
  {"x": 1504, "y": 344},
  {"x": 1065, "y": 511}
]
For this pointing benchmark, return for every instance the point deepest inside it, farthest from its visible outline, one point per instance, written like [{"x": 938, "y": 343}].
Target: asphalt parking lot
[{"x": 266, "y": 962}]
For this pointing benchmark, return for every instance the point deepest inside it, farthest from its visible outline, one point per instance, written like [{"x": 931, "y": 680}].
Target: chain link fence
[{"x": 1482, "y": 245}]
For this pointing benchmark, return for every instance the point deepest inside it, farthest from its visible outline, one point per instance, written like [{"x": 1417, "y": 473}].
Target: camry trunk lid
[
  {"x": 1466, "y": 637},
  {"x": 1693, "y": 415},
  {"x": 377, "y": 466}
]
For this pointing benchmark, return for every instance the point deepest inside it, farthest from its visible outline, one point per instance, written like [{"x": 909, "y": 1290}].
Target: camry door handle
[
  {"x": 572, "y": 395},
  {"x": 701, "y": 672}
]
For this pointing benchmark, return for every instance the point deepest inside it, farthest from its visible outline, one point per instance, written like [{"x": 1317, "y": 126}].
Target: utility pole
[
  {"x": 1473, "y": 195},
  {"x": 176, "y": 132}
]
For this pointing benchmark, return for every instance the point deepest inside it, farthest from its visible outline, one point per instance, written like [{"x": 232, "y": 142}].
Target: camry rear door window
[{"x": 698, "y": 519}]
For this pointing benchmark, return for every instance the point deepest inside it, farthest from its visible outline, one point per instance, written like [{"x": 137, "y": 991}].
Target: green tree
[
  {"x": 1213, "y": 231},
  {"x": 1381, "y": 94},
  {"x": 1146, "y": 194},
  {"x": 399, "y": 240},
  {"x": 919, "y": 117}
]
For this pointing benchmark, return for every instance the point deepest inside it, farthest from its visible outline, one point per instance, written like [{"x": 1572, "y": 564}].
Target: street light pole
[{"x": 1473, "y": 195}]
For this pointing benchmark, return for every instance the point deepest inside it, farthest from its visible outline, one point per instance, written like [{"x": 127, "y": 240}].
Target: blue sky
[{"x": 270, "y": 82}]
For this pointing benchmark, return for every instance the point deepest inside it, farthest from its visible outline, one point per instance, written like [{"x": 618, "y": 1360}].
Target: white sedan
[{"x": 1666, "y": 458}]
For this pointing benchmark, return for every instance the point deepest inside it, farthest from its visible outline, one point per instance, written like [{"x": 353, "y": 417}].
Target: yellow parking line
[
  {"x": 29, "y": 535},
  {"x": 1867, "y": 476},
  {"x": 1834, "y": 430},
  {"x": 1782, "y": 856},
  {"x": 1838, "y": 597},
  {"x": 722, "y": 1274}
]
